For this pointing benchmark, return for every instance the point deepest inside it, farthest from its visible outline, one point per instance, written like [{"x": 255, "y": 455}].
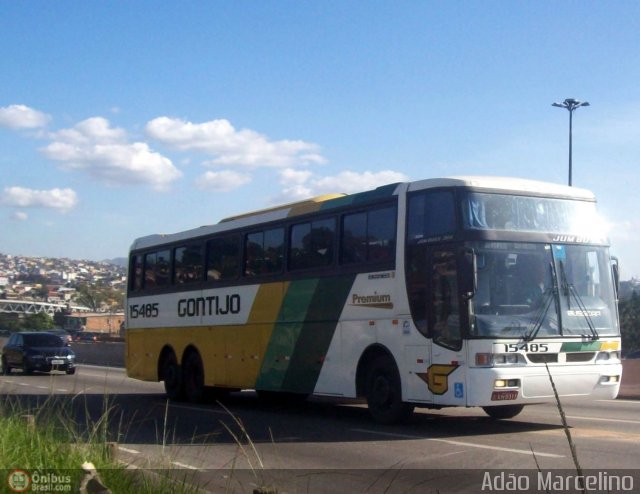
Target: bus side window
[
  {"x": 157, "y": 269},
  {"x": 264, "y": 252},
  {"x": 188, "y": 264},
  {"x": 150, "y": 270},
  {"x": 368, "y": 236},
  {"x": 431, "y": 214},
  {"x": 223, "y": 259},
  {"x": 353, "y": 240},
  {"x": 311, "y": 244},
  {"x": 444, "y": 320},
  {"x": 135, "y": 273}
]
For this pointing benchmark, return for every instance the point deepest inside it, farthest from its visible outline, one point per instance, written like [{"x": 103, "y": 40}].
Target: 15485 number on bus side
[{"x": 143, "y": 310}]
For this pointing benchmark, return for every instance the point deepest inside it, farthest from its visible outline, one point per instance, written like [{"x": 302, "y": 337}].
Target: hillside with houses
[{"x": 62, "y": 281}]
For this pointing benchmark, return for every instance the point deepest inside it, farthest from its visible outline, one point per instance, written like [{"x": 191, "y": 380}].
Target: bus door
[{"x": 445, "y": 316}]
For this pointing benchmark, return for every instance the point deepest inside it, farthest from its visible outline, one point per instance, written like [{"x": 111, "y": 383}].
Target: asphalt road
[{"x": 331, "y": 446}]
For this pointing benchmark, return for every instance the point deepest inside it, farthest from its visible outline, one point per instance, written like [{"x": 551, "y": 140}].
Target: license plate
[
  {"x": 504, "y": 395},
  {"x": 57, "y": 362}
]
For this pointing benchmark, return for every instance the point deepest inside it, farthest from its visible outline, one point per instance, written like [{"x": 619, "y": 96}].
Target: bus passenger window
[
  {"x": 430, "y": 215},
  {"x": 135, "y": 273},
  {"x": 369, "y": 236},
  {"x": 381, "y": 234},
  {"x": 264, "y": 252},
  {"x": 311, "y": 244},
  {"x": 223, "y": 260},
  {"x": 156, "y": 269},
  {"x": 354, "y": 237},
  {"x": 188, "y": 264}
]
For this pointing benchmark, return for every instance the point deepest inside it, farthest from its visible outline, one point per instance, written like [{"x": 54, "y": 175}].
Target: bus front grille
[{"x": 541, "y": 358}]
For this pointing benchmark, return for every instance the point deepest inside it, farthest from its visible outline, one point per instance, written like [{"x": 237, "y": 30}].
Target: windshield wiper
[
  {"x": 570, "y": 290},
  {"x": 540, "y": 316},
  {"x": 542, "y": 311}
]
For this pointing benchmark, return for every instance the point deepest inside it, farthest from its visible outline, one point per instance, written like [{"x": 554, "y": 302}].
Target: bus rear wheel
[
  {"x": 172, "y": 377},
  {"x": 503, "y": 411},
  {"x": 193, "y": 369},
  {"x": 384, "y": 392}
]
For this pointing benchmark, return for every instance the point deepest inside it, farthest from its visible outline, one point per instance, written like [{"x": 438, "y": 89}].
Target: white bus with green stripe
[{"x": 464, "y": 291}]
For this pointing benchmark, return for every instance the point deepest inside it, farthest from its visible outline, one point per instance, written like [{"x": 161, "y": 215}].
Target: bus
[{"x": 462, "y": 291}]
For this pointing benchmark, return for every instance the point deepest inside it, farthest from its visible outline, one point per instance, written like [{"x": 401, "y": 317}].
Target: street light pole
[{"x": 570, "y": 104}]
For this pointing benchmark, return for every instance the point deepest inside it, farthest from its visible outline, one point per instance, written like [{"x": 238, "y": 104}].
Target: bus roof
[
  {"x": 496, "y": 184},
  {"x": 505, "y": 184}
]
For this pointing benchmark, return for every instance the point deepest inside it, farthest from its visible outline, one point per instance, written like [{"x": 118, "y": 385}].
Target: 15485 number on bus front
[{"x": 526, "y": 347}]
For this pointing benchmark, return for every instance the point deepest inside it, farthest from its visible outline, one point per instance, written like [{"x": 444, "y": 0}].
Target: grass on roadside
[{"x": 46, "y": 440}]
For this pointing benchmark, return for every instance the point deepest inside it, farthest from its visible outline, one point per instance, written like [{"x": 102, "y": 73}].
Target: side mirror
[
  {"x": 615, "y": 269},
  {"x": 468, "y": 277}
]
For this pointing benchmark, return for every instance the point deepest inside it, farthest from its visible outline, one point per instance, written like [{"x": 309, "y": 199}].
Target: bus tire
[
  {"x": 193, "y": 375},
  {"x": 503, "y": 411},
  {"x": 172, "y": 377},
  {"x": 384, "y": 392}
]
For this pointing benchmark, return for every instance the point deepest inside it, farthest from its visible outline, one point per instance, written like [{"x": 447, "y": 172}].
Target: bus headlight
[
  {"x": 608, "y": 357},
  {"x": 506, "y": 383}
]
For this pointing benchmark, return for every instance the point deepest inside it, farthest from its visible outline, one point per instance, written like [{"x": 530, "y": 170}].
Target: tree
[
  {"x": 37, "y": 322},
  {"x": 98, "y": 298},
  {"x": 630, "y": 322}
]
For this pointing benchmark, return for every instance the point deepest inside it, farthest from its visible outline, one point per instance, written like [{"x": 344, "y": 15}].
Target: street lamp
[{"x": 570, "y": 104}]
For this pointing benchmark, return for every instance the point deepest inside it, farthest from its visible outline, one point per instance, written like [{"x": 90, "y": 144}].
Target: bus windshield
[{"x": 530, "y": 289}]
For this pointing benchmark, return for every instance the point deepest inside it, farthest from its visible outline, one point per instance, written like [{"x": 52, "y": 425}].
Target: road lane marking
[
  {"x": 599, "y": 419},
  {"x": 498, "y": 448},
  {"x": 462, "y": 443},
  {"x": 129, "y": 450},
  {"x": 184, "y": 465},
  {"x": 621, "y": 401},
  {"x": 198, "y": 409}
]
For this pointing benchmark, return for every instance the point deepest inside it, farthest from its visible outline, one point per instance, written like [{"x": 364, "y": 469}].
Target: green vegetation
[
  {"x": 99, "y": 296},
  {"x": 51, "y": 447},
  {"x": 630, "y": 322},
  {"x": 31, "y": 322}
]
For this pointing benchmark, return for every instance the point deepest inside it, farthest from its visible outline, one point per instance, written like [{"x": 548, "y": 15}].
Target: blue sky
[{"x": 120, "y": 119}]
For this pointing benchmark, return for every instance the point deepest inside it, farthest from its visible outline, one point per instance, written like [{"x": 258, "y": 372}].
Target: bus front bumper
[{"x": 533, "y": 384}]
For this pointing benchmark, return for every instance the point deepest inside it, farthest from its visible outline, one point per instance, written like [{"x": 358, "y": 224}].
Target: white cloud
[
  {"x": 20, "y": 216},
  {"x": 230, "y": 146},
  {"x": 299, "y": 185},
  {"x": 22, "y": 117},
  {"x": 103, "y": 151},
  {"x": 222, "y": 181},
  {"x": 62, "y": 199}
]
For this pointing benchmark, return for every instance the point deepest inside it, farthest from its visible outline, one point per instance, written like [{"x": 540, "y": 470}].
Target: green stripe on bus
[
  {"x": 306, "y": 323},
  {"x": 580, "y": 347},
  {"x": 317, "y": 332},
  {"x": 361, "y": 197}
]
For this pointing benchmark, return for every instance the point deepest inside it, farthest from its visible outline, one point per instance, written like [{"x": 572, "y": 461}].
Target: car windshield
[
  {"x": 42, "y": 340},
  {"x": 529, "y": 290}
]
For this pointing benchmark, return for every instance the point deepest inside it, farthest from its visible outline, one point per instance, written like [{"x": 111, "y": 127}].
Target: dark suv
[{"x": 37, "y": 351}]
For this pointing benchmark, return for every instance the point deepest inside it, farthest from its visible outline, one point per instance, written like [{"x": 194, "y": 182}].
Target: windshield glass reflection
[{"x": 534, "y": 290}]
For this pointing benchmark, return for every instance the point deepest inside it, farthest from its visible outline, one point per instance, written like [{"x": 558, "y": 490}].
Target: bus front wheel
[
  {"x": 194, "y": 378},
  {"x": 503, "y": 411},
  {"x": 172, "y": 377},
  {"x": 384, "y": 392}
]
